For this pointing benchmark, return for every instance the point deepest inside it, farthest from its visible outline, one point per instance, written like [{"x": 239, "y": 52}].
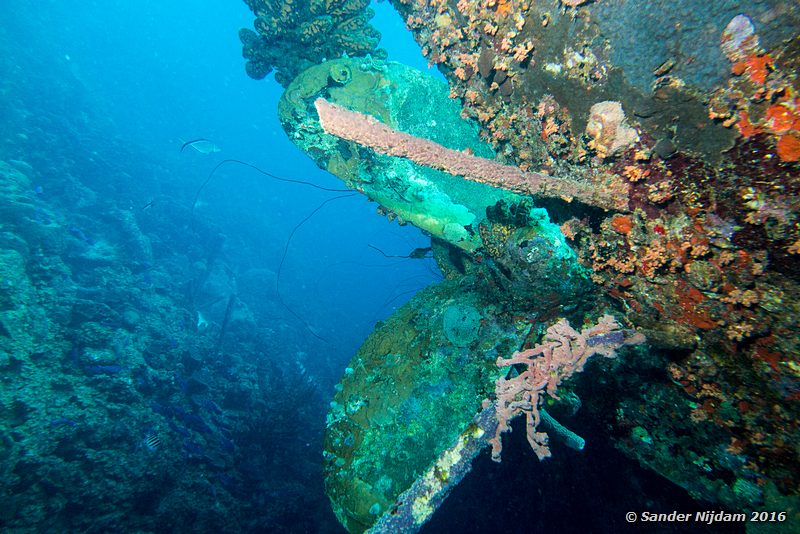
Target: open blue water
[
  {"x": 149, "y": 76},
  {"x": 97, "y": 100}
]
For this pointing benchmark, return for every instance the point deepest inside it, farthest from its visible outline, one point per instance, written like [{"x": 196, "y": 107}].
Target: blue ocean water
[
  {"x": 144, "y": 79},
  {"x": 97, "y": 100},
  {"x": 168, "y": 358}
]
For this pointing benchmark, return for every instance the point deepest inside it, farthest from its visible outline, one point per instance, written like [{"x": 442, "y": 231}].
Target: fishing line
[
  {"x": 286, "y": 252},
  {"x": 193, "y": 141},
  {"x": 353, "y": 262},
  {"x": 294, "y": 230},
  {"x": 397, "y": 296},
  {"x": 437, "y": 277},
  {"x": 418, "y": 253},
  {"x": 373, "y": 247},
  {"x": 265, "y": 173}
]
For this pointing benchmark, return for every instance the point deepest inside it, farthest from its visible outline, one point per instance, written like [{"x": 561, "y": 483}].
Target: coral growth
[
  {"x": 109, "y": 393},
  {"x": 609, "y": 130},
  {"x": 705, "y": 257},
  {"x": 368, "y": 131},
  {"x": 563, "y": 352},
  {"x": 293, "y": 35},
  {"x": 762, "y": 96}
]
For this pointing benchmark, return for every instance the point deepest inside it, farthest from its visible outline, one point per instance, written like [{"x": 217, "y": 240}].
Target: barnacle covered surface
[
  {"x": 706, "y": 260},
  {"x": 292, "y": 35}
]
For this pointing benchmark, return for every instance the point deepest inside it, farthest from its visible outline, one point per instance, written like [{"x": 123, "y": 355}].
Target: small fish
[
  {"x": 77, "y": 232},
  {"x": 202, "y": 145},
  {"x": 152, "y": 441},
  {"x": 58, "y": 421},
  {"x": 148, "y": 205},
  {"x": 94, "y": 370},
  {"x": 419, "y": 253},
  {"x": 665, "y": 67}
]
